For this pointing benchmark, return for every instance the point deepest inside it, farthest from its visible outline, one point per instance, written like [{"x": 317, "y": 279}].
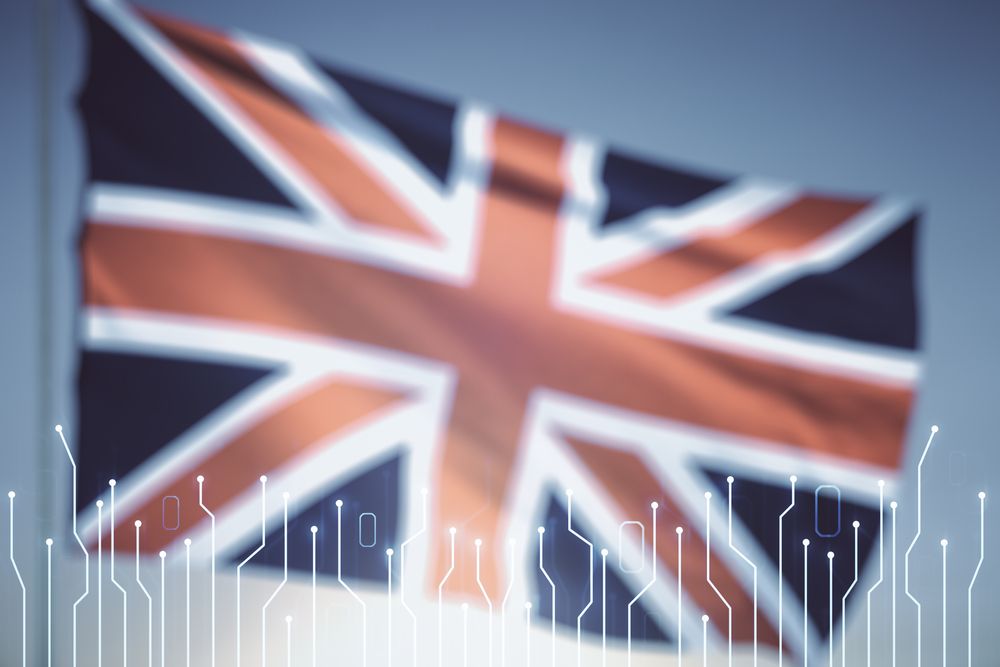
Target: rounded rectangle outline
[
  {"x": 361, "y": 531},
  {"x": 642, "y": 549},
  {"x": 816, "y": 510},
  {"x": 163, "y": 513}
]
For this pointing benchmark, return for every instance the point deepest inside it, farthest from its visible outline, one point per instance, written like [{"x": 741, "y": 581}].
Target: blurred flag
[{"x": 362, "y": 292}]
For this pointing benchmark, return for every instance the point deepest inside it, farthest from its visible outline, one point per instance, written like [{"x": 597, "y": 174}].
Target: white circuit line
[
  {"x": 239, "y": 568},
  {"x": 590, "y": 580},
  {"x": 906, "y": 557},
  {"x": 284, "y": 578},
  {"x": 708, "y": 570},
  {"x": 340, "y": 580},
  {"x": 781, "y": 574},
  {"x": 729, "y": 482},
  {"x": 881, "y": 565},
  {"x": 149, "y": 599},
  {"x": 653, "y": 506},
  {"x": 201, "y": 503},
  {"x": 975, "y": 575},
  {"x": 76, "y": 536}
]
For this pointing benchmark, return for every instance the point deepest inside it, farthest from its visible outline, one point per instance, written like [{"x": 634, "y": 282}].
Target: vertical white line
[
  {"x": 100, "y": 582},
  {"x": 284, "y": 579},
  {"x": 313, "y": 530},
  {"x": 805, "y": 603},
  {"x": 489, "y": 603},
  {"x": 340, "y": 580},
  {"x": 781, "y": 573},
  {"x": 680, "y": 594},
  {"x": 388, "y": 605},
  {"x": 892, "y": 507},
  {"x": 944, "y": 603},
  {"x": 163, "y": 609},
  {"x": 149, "y": 599},
  {"x": 201, "y": 503},
  {"x": 906, "y": 557},
  {"x": 881, "y": 566},
  {"x": 76, "y": 535},
  {"x": 239, "y": 568},
  {"x": 704, "y": 640},
  {"x": 552, "y": 589},
  {"x": 829, "y": 556},
  {"x": 112, "y": 483},
  {"x": 451, "y": 568},
  {"x": 288, "y": 641},
  {"x": 24, "y": 593},
  {"x": 843, "y": 601},
  {"x": 590, "y": 580},
  {"x": 604, "y": 607},
  {"x": 729, "y": 482},
  {"x": 402, "y": 571},
  {"x": 708, "y": 570},
  {"x": 975, "y": 575},
  {"x": 48, "y": 598},
  {"x": 465, "y": 634},
  {"x": 187, "y": 602},
  {"x": 512, "y": 569},
  {"x": 527, "y": 634},
  {"x": 653, "y": 506}
]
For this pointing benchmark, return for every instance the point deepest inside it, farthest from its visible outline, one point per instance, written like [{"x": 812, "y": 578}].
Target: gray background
[{"x": 858, "y": 96}]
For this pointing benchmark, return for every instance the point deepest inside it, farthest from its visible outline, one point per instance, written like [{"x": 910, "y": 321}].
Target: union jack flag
[{"x": 362, "y": 292}]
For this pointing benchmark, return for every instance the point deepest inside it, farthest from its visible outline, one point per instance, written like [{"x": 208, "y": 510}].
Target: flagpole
[{"x": 43, "y": 40}]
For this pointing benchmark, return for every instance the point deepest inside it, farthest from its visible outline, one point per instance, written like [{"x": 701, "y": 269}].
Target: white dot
[
  {"x": 527, "y": 605},
  {"x": 829, "y": 554},
  {"x": 465, "y": 606},
  {"x": 569, "y": 492},
  {"x": 423, "y": 492},
  {"x": 704, "y": 618},
  {"x": 263, "y": 478},
  {"x": 856, "y": 524},
  {"x": 339, "y": 503},
  {"x": 893, "y": 505},
  {"x": 604, "y": 552},
  {"x": 313, "y": 529},
  {"x": 478, "y": 542},
  {"x": 452, "y": 530},
  {"x": 163, "y": 554},
  {"x": 654, "y": 505},
  {"x": 541, "y": 530},
  {"x": 944, "y": 543},
  {"x": 730, "y": 479},
  {"x": 100, "y": 503},
  {"x": 881, "y": 483},
  {"x": 805, "y": 543},
  {"x": 982, "y": 495},
  {"x": 285, "y": 495},
  {"x": 934, "y": 429},
  {"x": 708, "y": 494},
  {"x": 288, "y": 619},
  {"x": 58, "y": 428},
  {"x": 138, "y": 524},
  {"x": 11, "y": 494},
  {"x": 680, "y": 530},
  {"x": 200, "y": 479},
  {"x": 389, "y": 551},
  {"x": 112, "y": 482},
  {"x": 793, "y": 479},
  {"x": 187, "y": 541},
  {"x": 48, "y": 542}
]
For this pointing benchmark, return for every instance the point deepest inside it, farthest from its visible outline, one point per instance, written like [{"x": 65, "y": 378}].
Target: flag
[{"x": 365, "y": 293}]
